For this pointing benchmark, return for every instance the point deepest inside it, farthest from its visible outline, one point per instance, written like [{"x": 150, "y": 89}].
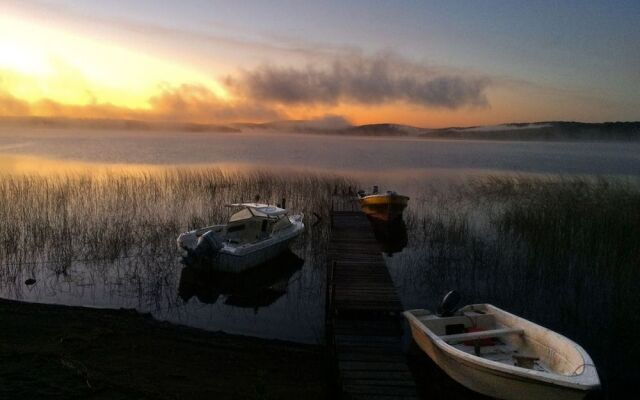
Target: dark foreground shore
[{"x": 60, "y": 352}]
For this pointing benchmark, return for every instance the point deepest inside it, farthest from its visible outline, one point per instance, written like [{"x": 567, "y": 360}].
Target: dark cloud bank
[
  {"x": 261, "y": 93},
  {"x": 363, "y": 80}
]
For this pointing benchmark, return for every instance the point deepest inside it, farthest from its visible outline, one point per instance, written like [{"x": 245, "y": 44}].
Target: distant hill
[
  {"x": 111, "y": 124},
  {"x": 551, "y": 130},
  {"x": 320, "y": 127},
  {"x": 334, "y": 125},
  {"x": 329, "y": 124},
  {"x": 383, "y": 130}
]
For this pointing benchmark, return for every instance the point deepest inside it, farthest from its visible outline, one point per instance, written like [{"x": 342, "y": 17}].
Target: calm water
[
  {"x": 376, "y": 156},
  {"x": 288, "y": 303}
]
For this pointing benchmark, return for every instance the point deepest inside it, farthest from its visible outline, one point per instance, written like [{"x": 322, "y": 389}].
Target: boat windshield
[
  {"x": 268, "y": 212},
  {"x": 259, "y": 213},
  {"x": 243, "y": 214}
]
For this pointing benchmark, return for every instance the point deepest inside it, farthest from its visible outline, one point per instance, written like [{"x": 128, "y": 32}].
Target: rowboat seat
[
  {"x": 440, "y": 326},
  {"x": 459, "y": 337},
  {"x": 525, "y": 361}
]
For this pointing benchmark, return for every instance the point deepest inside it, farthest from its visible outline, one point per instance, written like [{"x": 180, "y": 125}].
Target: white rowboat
[{"x": 499, "y": 354}]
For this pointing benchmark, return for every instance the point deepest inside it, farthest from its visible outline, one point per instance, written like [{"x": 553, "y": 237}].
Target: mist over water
[{"x": 394, "y": 157}]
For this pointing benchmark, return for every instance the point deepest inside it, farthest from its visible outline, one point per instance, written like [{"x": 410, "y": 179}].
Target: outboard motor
[
  {"x": 209, "y": 244},
  {"x": 449, "y": 304}
]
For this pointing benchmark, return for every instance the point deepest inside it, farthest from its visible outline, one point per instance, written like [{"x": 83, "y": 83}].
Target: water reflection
[
  {"x": 107, "y": 239},
  {"x": 255, "y": 288},
  {"x": 52, "y": 229},
  {"x": 580, "y": 284},
  {"x": 392, "y": 235},
  {"x": 330, "y": 153}
]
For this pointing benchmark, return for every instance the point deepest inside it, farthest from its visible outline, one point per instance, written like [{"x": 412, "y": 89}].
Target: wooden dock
[{"x": 363, "y": 318}]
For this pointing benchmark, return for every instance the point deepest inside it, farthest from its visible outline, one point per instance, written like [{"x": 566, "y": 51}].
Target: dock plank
[{"x": 364, "y": 330}]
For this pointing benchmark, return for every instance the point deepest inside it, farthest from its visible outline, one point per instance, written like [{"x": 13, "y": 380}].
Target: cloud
[
  {"x": 190, "y": 102},
  {"x": 9, "y": 105},
  {"x": 268, "y": 93},
  {"x": 365, "y": 80},
  {"x": 184, "y": 103}
]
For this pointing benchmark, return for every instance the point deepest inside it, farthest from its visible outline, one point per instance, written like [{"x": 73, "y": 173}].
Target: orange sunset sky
[{"x": 420, "y": 63}]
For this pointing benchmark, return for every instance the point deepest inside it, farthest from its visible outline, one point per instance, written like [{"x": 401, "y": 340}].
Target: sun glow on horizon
[
  {"x": 59, "y": 72},
  {"x": 40, "y": 62},
  {"x": 89, "y": 61}
]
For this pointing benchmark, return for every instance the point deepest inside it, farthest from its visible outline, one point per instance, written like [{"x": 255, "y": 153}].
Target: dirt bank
[{"x": 51, "y": 351}]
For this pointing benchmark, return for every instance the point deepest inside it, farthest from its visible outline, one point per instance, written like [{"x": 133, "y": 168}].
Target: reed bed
[
  {"x": 62, "y": 218},
  {"x": 561, "y": 251}
]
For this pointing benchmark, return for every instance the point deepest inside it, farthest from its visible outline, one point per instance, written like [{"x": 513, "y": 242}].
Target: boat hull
[
  {"x": 490, "y": 382},
  {"x": 237, "y": 263},
  {"x": 507, "y": 381},
  {"x": 387, "y": 207}
]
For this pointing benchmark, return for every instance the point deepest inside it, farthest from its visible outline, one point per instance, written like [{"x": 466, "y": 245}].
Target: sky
[{"x": 423, "y": 63}]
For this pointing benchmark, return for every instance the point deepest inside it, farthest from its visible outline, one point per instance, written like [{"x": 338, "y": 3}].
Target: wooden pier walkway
[{"x": 364, "y": 331}]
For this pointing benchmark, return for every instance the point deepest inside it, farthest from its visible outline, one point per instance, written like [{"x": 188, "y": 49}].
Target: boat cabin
[{"x": 254, "y": 222}]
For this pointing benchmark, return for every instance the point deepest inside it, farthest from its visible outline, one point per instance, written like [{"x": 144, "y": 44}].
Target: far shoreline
[{"x": 552, "y": 131}]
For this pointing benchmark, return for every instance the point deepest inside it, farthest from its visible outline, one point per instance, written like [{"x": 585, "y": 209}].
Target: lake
[
  {"x": 394, "y": 157},
  {"x": 285, "y": 300}
]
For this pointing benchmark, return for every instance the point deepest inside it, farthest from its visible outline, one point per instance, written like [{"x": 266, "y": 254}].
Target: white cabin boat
[
  {"x": 253, "y": 235},
  {"x": 498, "y": 354}
]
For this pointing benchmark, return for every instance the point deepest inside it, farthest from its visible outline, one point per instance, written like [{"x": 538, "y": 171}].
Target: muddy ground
[{"x": 60, "y": 352}]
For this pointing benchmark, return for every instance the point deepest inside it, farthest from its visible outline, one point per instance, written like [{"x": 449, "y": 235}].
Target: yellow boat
[{"x": 382, "y": 206}]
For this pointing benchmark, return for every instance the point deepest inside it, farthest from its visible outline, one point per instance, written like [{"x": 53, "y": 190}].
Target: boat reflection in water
[
  {"x": 257, "y": 287},
  {"x": 392, "y": 235}
]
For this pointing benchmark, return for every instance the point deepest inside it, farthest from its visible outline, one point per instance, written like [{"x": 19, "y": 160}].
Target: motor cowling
[
  {"x": 449, "y": 304},
  {"x": 209, "y": 244}
]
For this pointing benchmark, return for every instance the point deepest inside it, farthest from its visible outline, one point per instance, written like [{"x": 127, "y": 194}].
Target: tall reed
[
  {"x": 561, "y": 251},
  {"x": 65, "y": 217}
]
